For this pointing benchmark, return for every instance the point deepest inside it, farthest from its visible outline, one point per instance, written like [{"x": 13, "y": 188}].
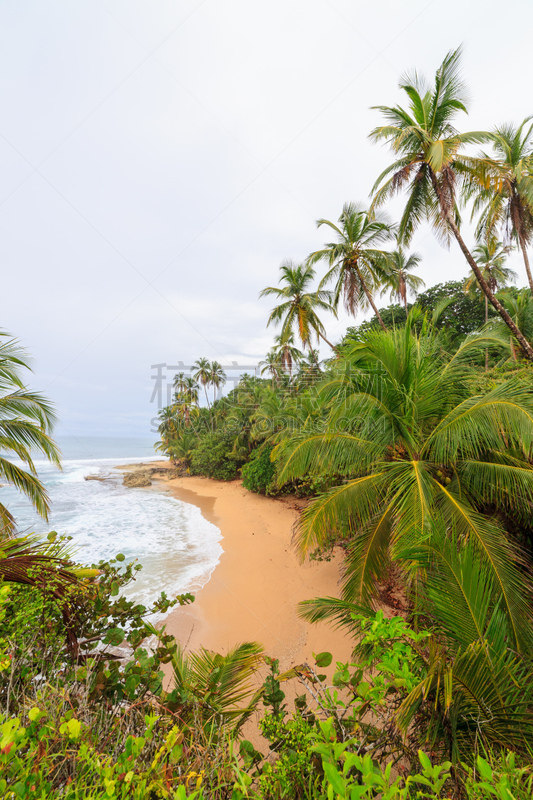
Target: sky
[{"x": 160, "y": 159}]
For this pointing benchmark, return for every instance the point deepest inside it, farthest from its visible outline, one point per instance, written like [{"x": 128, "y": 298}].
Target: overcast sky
[{"x": 160, "y": 159}]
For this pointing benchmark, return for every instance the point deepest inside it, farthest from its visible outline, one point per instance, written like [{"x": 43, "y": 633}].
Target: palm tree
[
  {"x": 399, "y": 280},
  {"x": 357, "y": 266},
  {"x": 217, "y": 377},
  {"x": 273, "y": 365},
  {"x": 520, "y": 306},
  {"x": 289, "y": 354},
  {"x": 26, "y": 421},
  {"x": 46, "y": 566},
  {"x": 181, "y": 447},
  {"x": 416, "y": 451},
  {"x": 502, "y": 187},
  {"x": 298, "y": 306},
  {"x": 190, "y": 390},
  {"x": 310, "y": 369},
  {"x": 430, "y": 163},
  {"x": 491, "y": 258},
  {"x": 203, "y": 375},
  {"x": 269, "y": 418},
  {"x": 179, "y": 382},
  {"x": 167, "y": 428},
  {"x": 216, "y": 690},
  {"x": 472, "y": 687}
]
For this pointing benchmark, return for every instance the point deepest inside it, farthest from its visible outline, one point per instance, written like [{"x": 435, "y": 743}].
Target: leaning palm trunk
[
  {"x": 321, "y": 335},
  {"x": 485, "y": 288},
  {"x": 486, "y": 321},
  {"x": 526, "y": 261},
  {"x": 371, "y": 300}
]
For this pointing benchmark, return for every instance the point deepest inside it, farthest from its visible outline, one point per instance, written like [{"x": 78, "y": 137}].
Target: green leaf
[
  {"x": 484, "y": 769},
  {"x": 114, "y": 636},
  {"x": 323, "y": 659},
  {"x": 424, "y": 760},
  {"x": 334, "y": 779}
]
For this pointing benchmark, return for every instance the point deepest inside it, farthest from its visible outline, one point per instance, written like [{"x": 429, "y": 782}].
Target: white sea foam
[{"x": 176, "y": 546}]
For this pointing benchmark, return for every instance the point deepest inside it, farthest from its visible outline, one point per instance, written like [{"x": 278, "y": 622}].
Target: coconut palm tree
[
  {"x": 356, "y": 265},
  {"x": 185, "y": 409},
  {"x": 310, "y": 369},
  {"x": 298, "y": 305},
  {"x": 473, "y": 686},
  {"x": 491, "y": 258},
  {"x": 289, "y": 354},
  {"x": 190, "y": 391},
  {"x": 502, "y": 187},
  {"x": 272, "y": 364},
  {"x": 417, "y": 451},
  {"x": 181, "y": 447},
  {"x": 217, "y": 377},
  {"x": 168, "y": 426},
  {"x": 519, "y": 304},
  {"x": 216, "y": 690},
  {"x": 26, "y": 421},
  {"x": 203, "y": 375},
  {"x": 269, "y": 418},
  {"x": 179, "y": 382},
  {"x": 399, "y": 279},
  {"x": 430, "y": 163}
]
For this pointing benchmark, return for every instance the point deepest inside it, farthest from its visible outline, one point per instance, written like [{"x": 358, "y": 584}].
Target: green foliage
[
  {"x": 62, "y": 754},
  {"x": 461, "y": 316},
  {"x": 415, "y": 451},
  {"x": 258, "y": 473},
  {"x": 213, "y": 457},
  {"x": 210, "y": 689},
  {"x": 393, "y": 315},
  {"x": 74, "y": 730}
]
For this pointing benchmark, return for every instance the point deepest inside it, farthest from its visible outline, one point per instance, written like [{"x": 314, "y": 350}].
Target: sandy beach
[{"x": 253, "y": 592}]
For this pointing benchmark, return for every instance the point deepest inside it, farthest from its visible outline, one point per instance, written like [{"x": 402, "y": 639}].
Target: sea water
[{"x": 177, "y": 547}]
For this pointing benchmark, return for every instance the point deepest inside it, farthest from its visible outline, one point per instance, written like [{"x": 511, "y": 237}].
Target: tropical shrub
[
  {"x": 258, "y": 473},
  {"x": 214, "y": 457}
]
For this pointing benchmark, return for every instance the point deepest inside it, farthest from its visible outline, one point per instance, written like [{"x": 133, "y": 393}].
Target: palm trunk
[
  {"x": 321, "y": 335},
  {"x": 371, "y": 301},
  {"x": 526, "y": 262},
  {"x": 209, "y": 407},
  {"x": 495, "y": 303},
  {"x": 486, "y": 320},
  {"x": 403, "y": 292}
]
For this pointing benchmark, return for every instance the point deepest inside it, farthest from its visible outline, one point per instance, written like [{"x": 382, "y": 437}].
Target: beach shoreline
[{"x": 253, "y": 591}]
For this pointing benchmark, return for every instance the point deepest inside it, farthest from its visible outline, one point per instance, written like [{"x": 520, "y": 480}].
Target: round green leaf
[{"x": 323, "y": 659}]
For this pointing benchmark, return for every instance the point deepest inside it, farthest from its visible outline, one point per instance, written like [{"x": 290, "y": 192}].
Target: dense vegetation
[{"x": 413, "y": 443}]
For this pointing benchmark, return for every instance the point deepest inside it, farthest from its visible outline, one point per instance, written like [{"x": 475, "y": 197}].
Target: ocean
[{"x": 176, "y": 546}]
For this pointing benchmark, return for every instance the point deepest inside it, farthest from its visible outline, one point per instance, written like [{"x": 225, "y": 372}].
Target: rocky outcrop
[
  {"x": 96, "y": 477},
  {"x": 137, "y": 479}
]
